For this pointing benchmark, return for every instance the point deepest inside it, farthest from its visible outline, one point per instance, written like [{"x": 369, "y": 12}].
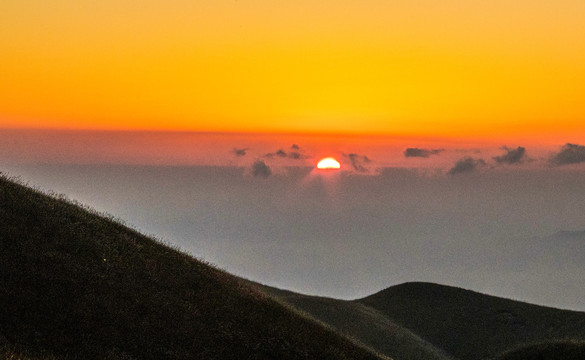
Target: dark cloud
[
  {"x": 512, "y": 156},
  {"x": 358, "y": 162},
  {"x": 295, "y": 154},
  {"x": 423, "y": 153},
  {"x": 467, "y": 164},
  {"x": 569, "y": 154},
  {"x": 240, "y": 152},
  {"x": 260, "y": 169}
]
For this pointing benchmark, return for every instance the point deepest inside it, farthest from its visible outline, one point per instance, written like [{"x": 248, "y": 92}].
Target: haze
[
  {"x": 458, "y": 126},
  {"x": 492, "y": 227}
]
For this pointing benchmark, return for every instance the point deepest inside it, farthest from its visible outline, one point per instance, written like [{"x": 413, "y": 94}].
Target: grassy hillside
[
  {"x": 429, "y": 321},
  {"x": 8, "y": 353},
  {"x": 469, "y": 325},
  {"x": 563, "y": 350},
  {"x": 363, "y": 323},
  {"x": 75, "y": 285}
]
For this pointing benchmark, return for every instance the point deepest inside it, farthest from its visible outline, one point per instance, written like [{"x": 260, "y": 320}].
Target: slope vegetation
[
  {"x": 363, "y": 323},
  {"x": 429, "y": 321},
  {"x": 469, "y": 325},
  {"x": 75, "y": 285},
  {"x": 562, "y": 350}
]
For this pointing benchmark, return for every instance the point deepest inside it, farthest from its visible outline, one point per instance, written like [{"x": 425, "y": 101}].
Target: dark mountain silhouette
[
  {"x": 77, "y": 285},
  {"x": 470, "y": 325},
  {"x": 561, "y": 350},
  {"x": 431, "y": 321}
]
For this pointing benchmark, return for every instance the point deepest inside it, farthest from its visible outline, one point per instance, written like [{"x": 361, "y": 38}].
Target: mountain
[
  {"x": 470, "y": 325},
  {"x": 363, "y": 323},
  {"x": 78, "y": 285},
  {"x": 556, "y": 350},
  {"x": 430, "y": 321}
]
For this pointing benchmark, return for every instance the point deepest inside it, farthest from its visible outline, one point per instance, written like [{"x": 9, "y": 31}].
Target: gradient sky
[
  {"x": 454, "y": 68},
  {"x": 201, "y": 121}
]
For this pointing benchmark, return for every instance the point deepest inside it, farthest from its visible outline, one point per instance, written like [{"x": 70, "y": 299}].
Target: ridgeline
[{"x": 77, "y": 285}]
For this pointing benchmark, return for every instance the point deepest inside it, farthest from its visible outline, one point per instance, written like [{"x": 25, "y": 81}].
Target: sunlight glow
[
  {"x": 452, "y": 68},
  {"x": 328, "y": 163}
]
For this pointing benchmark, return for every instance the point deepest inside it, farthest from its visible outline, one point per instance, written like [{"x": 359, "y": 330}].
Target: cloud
[
  {"x": 240, "y": 152},
  {"x": 512, "y": 156},
  {"x": 358, "y": 162},
  {"x": 423, "y": 153},
  {"x": 281, "y": 153},
  {"x": 260, "y": 169},
  {"x": 569, "y": 154},
  {"x": 295, "y": 154},
  {"x": 467, "y": 164}
]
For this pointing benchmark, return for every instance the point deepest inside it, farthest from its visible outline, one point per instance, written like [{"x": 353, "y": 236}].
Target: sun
[{"x": 328, "y": 163}]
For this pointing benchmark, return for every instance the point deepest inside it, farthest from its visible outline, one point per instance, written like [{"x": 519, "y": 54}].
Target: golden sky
[{"x": 450, "y": 68}]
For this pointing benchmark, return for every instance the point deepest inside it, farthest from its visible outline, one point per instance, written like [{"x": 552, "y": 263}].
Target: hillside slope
[
  {"x": 430, "y": 321},
  {"x": 363, "y": 323},
  {"x": 81, "y": 286},
  {"x": 561, "y": 350},
  {"x": 469, "y": 325}
]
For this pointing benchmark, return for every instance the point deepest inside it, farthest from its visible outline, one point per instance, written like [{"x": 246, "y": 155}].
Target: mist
[{"x": 345, "y": 235}]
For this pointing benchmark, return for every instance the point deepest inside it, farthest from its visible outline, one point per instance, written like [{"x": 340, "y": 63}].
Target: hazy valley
[{"x": 79, "y": 285}]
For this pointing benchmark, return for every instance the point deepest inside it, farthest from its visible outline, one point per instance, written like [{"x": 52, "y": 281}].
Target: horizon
[
  {"x": 346, "y": 235},
  {"x": 459, "y": 128},
  {"x": 364, "y": 154}
]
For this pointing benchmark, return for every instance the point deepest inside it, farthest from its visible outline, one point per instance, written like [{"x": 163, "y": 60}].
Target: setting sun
[
  {"x": 328, "y": 163},
  {"x": 250, "y": 167}
]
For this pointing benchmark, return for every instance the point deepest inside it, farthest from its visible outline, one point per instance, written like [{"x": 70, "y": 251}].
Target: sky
[
  {"x": 459, "y": 126},
  {"x": 455, "y": 68}
]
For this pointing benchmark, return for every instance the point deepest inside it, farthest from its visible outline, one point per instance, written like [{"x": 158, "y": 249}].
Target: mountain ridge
[
  {"x": 77, "y": 285},
  {"x": 470, "y": 325}
]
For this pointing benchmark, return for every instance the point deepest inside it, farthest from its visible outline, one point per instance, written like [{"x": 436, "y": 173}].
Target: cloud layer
[
  {"x": 423, "y": 153},
  {"x": 358, "y": 162},
  {"x": 240, "y": 152},
  {"x": 512, "y": 156},
  {"x": 569, "y": 154},
  {"x": 294, "y": 154},
  {"x": 465, "y": 165},
  {"x": 260, "y": 169}
]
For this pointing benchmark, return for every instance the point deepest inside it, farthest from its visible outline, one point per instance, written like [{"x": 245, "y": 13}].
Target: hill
[
  {"x": 430, "y": 321},
  {"x": 77, "y": 285},
  {"x": 562, "y": 350},
  {"x": 469, "y": 325},
  {"x": 364, "y": 323}
]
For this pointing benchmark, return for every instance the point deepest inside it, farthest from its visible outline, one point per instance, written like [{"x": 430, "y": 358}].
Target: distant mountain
[
  {"x": 556, "y": 350},
  {"x": 77, "y": 285},
  {"x": 431, "y": 321},
  {"x": 363, "y": 323},
  {"x": 469, "y": 325}
]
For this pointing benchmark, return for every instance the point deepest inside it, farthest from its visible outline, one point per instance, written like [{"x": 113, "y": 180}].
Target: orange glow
[
  {"x": 328, "y": 163},
  {"x": 452, "y": 68}
]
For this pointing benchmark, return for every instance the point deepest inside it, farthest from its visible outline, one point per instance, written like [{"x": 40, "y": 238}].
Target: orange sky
[{"x": 454, "y": 68}]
